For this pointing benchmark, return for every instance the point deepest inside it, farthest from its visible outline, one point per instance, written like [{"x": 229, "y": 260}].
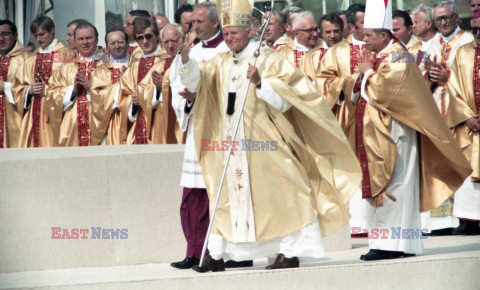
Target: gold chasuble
[
  {"x": 335, "y": 80},
  {"x": 11, "y": 115},
  {"x": 165, "y": 128},
  {"x": 106, "y": 121},
  {"x": 138, "y": 78},
  {"x": 291, "y": 171},
  {"x": 76, "y": 129},
  {"x": 289, "y": 50},
  {"x": 397, "y": 90},
  {"x": 41, "y": 122},
  {"x": 464, "y": 89},
  {"x": 444, "y": 53},
  {"x": 310, "y": 63}
]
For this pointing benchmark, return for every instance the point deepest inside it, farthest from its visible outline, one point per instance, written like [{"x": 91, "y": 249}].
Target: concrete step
[{"x": 447, "y": 263}]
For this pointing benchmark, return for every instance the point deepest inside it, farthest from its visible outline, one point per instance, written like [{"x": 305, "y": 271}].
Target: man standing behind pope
[{"x": 281, "y": 200}]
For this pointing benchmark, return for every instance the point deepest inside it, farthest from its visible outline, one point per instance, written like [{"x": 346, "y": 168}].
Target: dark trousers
[{"x": 194, "y": 216}]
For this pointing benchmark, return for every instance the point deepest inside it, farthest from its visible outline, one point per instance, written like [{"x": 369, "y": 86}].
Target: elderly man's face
[
  {"x": 445, "y": 20},
  {"x": 86, "y": 41},
  {"x": 331, "y": 32},
  {"x": 307, "y": 32},
  {"x": 7, "y": 39},
  {"x": 275, "y": 29},
  {"x": 171, "y": 40},
  {"x": 374, "y": 42},
  {"x": 236, "y": 38},
  {"x": 420, "y": 26},
  {"x": 116, "y": 43}
]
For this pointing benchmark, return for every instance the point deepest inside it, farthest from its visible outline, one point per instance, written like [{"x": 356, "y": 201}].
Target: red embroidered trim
[
  {"x": 4, "y": 66},
  {"x": 362, "y": 152},
  {"x": 298, "y": 56},
  {"x": 43, "y": 71},
  {"x": 84, "y": 131},
  {"x": 356, "y": 52},
  {"x": 323, "y": 51},
  {"x": 476, "y": 78},
  {"x": 144, "y": 67},
  {"x": 115, "y": 74}
]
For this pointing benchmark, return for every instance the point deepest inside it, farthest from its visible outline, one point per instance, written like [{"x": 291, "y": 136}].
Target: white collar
[
  {"x": 451, "y": 36},
  {"x": 242, "y": 53},
  {"x": 356, "y": 42},
  {"x": 49, "y": 48},
  {"x": 152, "y": 53},
  {"x": 134, "y": 44},
  {"x": 325, "y": 45},
  {"x": 206, "y": 41},
  {"x": 299, "y": 46},
  {"x": 280, "y": 39}
]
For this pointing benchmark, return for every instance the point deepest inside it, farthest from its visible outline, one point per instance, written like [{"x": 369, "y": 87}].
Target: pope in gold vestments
[
  {"x": 11, "y": 111},
  {"x": 311, "y": 174},
  {"x": 43, "y": 116}
]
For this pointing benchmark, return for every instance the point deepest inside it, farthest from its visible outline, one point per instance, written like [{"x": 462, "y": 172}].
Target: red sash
[
  {"x": 84, "y": 132},
  {"x": 323, "y": 51},
  {"x": 146, "y": 63},
  {"x": 362, "y": 152},
  {"x": 356, "y": 52},
  {"x": 4, "y": 66},
  {"x": 43, "y": 68},
  {"x": 115, "y": 74}
]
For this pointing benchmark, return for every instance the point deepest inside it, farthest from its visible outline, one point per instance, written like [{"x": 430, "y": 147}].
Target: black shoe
[
  {"x": 187, "y": 263},
  {"x": 406, "y": 255},
  {"x": 441, "y": 232},
  {"x": 374, "y": 255},
  {"x": 210, "y": 264},
  {"x": 282, "y": 262},
  {"x": 238, "y": 264},
  {"x": 467, "y": 228}
]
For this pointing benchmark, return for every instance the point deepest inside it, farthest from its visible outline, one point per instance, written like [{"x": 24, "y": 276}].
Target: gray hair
[
  {"x": 305, "y": 14},
  {"x": 451, "y": 4},
  {"x": 212, "y": 9},
  {"x": 178, "y": 27},
  {"x": 426, "y": 10},
  {"x": 289, "y": 11}
]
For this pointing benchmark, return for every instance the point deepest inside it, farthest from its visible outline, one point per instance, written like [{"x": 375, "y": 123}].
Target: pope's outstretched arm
[{"x": 188, "y": 71}]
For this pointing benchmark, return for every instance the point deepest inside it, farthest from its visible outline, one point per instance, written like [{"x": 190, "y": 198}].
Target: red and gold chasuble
[
  {"x": 84, "y": 131},
  {"x": 43, "y": 72},
  {"x": 141, "y": 137},
  {"x": 4, "y": 66},
  {"x": 476, "y": 78},
  {"x": 446, "y": 50},
  {"x": 362, "y": 152}
]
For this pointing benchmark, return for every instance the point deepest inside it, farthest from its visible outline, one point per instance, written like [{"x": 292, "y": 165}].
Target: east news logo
[{"x": 94, "y": 233}]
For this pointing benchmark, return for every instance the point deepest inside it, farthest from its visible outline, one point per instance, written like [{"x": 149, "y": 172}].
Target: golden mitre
[{"x": 235, "y": 12}]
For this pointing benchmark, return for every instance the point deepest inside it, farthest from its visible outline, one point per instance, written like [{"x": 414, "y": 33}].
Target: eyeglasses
[
  {"x": 447, "y": 18},
  {"x": 5, "y": 33},
  {"x": 475, "y": 30},
  {"x": 311, "y": 30},
  {"x": 116, "y": 43},
  {"x": 140, "y": 38}
]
